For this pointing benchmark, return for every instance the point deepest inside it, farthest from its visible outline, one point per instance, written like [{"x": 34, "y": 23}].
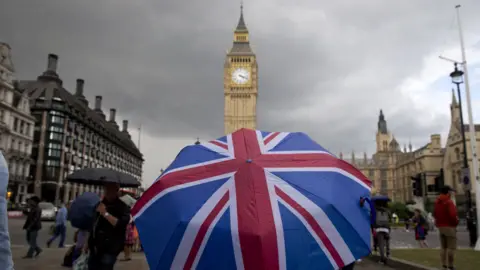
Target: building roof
[
  {"x": 48, "y": 88},
  {"x": 241, "y": 47}
]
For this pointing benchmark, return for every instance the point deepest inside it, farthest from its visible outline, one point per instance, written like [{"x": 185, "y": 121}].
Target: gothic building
[
  {"x": 240, "y": 82},
  {"x": 391, "y": 167},
  {"x": 16, "y": 128}
]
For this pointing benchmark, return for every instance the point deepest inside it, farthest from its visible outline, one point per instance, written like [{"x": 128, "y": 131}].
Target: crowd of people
[
  {"x": 444, "y": 218},
  {"x": 112, "y": 232}
]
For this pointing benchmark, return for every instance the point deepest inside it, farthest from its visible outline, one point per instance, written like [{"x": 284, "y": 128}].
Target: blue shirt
[
  {"x": 5, "y": 252},
  {"x": 61, "y": 216}
]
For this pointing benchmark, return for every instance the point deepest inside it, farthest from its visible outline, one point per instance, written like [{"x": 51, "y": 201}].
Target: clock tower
[{"x": 240, "y": 82}]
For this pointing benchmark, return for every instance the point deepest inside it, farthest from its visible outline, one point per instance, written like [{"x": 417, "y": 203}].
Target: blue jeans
[
  {"x": 60, "y": 230},
  {"x": 101, "y": 261},
  {"x": 32, "y": 242}
]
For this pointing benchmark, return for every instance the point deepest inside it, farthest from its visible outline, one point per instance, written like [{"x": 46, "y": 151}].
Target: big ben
[{"x": 240, "y": 82}]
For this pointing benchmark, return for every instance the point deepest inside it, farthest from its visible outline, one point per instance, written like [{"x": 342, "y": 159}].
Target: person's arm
[
  {"x": 452, "y": 212},
  {"x": 122, "y": 220}
]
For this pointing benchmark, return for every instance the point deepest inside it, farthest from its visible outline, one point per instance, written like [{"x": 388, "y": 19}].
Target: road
[{"x": 402, "y": 239}]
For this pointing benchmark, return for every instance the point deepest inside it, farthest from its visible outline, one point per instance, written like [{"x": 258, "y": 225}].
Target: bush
[{"x": 400, "y": 209}]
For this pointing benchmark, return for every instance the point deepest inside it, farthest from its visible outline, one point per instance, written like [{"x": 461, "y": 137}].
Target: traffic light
[
  {"x": 439, "y": 181},
  {"x": 417, "y": 185}
]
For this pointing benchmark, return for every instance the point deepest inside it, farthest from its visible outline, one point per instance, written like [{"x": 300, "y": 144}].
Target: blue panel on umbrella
[
  {"x": 327, "y": 188},
  {"x": 298, "y": 142},
  {"x": 165, "y": 221},
  {"x": 302, "y": 251},
  {"x": 265, "y": 133},
  {"x": 192, "y": 155},
  {"x": 218, "y": 253},
  {"x": 223, "y": 139}
]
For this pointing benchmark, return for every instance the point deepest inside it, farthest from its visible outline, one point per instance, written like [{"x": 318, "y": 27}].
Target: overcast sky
[{"x": 326, "y": 67}]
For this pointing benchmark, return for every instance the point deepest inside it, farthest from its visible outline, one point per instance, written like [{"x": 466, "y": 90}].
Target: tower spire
[{"x": 241, "y": 27}]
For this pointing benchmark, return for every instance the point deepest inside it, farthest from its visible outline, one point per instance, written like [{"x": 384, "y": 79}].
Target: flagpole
[{"x": 473, "y": 140}]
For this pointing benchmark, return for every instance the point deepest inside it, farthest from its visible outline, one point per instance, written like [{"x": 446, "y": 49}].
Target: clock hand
[{"x": 241, "y": 76}]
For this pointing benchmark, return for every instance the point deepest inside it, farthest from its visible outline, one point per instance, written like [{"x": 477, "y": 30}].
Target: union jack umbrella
[{"x": 255, "y": 200}]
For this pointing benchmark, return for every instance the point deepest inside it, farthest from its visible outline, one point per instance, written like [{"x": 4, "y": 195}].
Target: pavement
[{"x": 51, "y": 259}]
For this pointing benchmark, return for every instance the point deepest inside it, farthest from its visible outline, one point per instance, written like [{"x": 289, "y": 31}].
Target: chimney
[
  {"x": 79, "y": 89},
  {"x": 125, "y": 126},
  {"x": 98, "y": 103},
  {"x": 113, "y": 111},
  {"x": 52, "y": 62}
]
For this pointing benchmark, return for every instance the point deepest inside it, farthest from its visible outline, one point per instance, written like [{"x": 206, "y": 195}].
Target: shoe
[
  {"x": 451, "y": 268},
  {"x": 27, "y": 257},
  {"x": 38, "y": 253}
]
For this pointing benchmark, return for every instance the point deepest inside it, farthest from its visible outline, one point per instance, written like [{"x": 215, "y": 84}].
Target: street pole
[{"x": 473, "y": 140}]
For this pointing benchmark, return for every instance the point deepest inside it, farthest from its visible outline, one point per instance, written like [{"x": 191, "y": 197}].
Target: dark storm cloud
[{"x": 161, "y": 62}]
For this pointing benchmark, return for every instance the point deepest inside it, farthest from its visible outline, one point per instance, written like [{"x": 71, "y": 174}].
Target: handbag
[{"x": 81, "y": 263}]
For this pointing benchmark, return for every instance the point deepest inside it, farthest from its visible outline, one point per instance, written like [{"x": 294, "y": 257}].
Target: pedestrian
[
  {"x": 6, "y": 261},
  {"x": 421, "y": 228},
  {"x": 446, "y": 221},
  {"x": 129, "y": 241},
  {"x": 107, "y": 237},
  {"x": 382, "y": 229},
  {"x": 60, "y": 227},
  {"x": 32, "y": 225}
]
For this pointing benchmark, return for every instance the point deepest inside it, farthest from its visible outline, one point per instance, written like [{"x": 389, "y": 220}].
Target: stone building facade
[
  {"x": 391, "y": 168},
  {"x": 70, "y": 135},
  {"x": 16, "y": 128}
]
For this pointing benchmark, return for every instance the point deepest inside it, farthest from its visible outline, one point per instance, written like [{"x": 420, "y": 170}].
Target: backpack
[{"x": 382, "y": 219}]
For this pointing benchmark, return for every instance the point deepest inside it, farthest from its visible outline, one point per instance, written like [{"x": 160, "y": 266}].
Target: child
[
  {"x": 382, "y": 230},
  {"x": 420, "y": 228}
]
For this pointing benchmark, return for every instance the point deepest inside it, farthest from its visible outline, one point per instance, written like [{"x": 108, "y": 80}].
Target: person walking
[
  {"x": 107, "y": 236},
  {"x": 129, "y": 241},
  {"x": 382, "y": 230},
  {"x": 6, "y": 261},
  {"x": 421, "y": 228},
  {"x": 32, "y": 225},
  {"x": 446, "y": 221},
  {"x": 60, "y": 227}
]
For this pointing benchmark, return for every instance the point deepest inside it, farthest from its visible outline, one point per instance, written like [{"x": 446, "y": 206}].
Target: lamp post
[{"x": 457, "y": 79}]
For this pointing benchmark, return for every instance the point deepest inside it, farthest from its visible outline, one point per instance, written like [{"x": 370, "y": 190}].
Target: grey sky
[{"x": 326, "y": 67}]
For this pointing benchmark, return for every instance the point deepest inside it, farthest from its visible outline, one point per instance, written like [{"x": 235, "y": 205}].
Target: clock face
[{"x": 241, "y": 76}]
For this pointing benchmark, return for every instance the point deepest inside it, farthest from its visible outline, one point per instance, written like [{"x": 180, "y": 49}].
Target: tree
[{"x": 400, "y": 209}]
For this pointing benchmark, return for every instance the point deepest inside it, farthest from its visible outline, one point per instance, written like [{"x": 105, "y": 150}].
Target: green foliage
[{"x": 400, "y": 209}]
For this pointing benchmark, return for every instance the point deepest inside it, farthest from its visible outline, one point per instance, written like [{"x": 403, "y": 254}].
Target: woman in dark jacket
[{"x": 33, "y": 224}]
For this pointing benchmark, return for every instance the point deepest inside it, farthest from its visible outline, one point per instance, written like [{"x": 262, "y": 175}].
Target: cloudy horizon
[{"x": 161, "y": 65}]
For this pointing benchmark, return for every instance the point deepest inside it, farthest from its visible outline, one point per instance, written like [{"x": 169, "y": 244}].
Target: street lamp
[{"x": 457, "y": 79}]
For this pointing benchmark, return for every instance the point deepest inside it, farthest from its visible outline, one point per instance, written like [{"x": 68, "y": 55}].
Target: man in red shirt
[{"x": 446, "y": 220}]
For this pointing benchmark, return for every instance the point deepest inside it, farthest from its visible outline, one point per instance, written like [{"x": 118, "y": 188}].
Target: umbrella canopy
[
  {"x": 255, "y": 200},
  {"x": 128, "y": 200},
  {"x": 82, "y": 210},
  {"x": 100, "y": 176}
]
